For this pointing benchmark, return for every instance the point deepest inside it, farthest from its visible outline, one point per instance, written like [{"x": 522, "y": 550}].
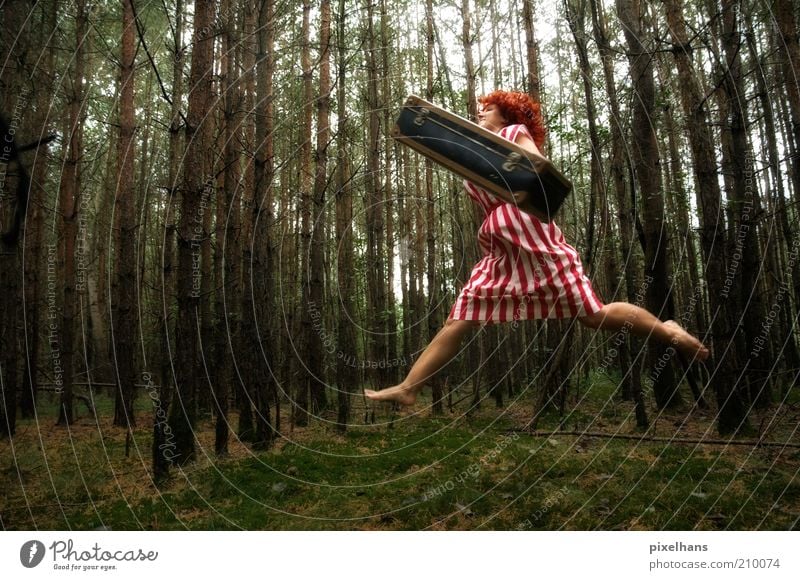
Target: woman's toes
[{"x": 395, "y": 394}]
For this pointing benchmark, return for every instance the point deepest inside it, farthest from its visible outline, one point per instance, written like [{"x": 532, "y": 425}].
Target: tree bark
[
  {"x": 745, "y": 203},
  {"x": 228, "y": 214},
  {"x": 779, "y": 232},
  {"x": 345, "y": 327},
  {"x": 69, "y": 192},
  {"x": 125, "y": 202},
  {"x": 532, "y": 52},
  {"x": 430, "y": 222},
  {"x": 259, "y": 374},
  {"x": 197, "y": 184},
  {"x": 376, "y": 280},
  {"x": 316, "y": 354},
  {"x": 392, "y": 360},
  {"x": 646, "y": 164},
  {"x": 631, "y": 380},
  {"x": 784, "y": 11},
  {"x": 732, "y": 412}
]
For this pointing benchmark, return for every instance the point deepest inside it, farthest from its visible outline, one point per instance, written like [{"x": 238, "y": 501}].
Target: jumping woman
[{"x": 528, "y": 270}]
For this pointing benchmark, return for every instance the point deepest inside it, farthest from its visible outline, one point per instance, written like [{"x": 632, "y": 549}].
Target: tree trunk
[
  {"x": 311, "y": 346},
  {"x": 784, "y": 14},
  {"x": 167, "y": 289},
  {"x": 631, "y": 380},
  {"x": 646, "y": 163},
  {"x": 779, "y": 232},
  {"x": 197, "y": 184},
  {"x": 430, "y": 240},
  {"x": 466, "y": 39},
  {"x": 532, "y": 52},
  {"x": 345, "y": 327},
  {"x": 316, "y": 354},
  {"x": 732, "y": 412},
  {"x": 125, "y": 202},
  {"x": 227, "y": 228},
  {"x": 745, "y": 202},
  {"x": 70, "y": 191},
  {"x": 576, "y": 13},
  {"x": 34, "y": 226},
  {"x": 258, "y": 245},
  {"x": 392, "y": 359},
  {"x": 376, "y": 280}
]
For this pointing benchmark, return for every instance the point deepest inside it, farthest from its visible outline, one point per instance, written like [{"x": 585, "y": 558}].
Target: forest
[{"x": 212, "y": 245}]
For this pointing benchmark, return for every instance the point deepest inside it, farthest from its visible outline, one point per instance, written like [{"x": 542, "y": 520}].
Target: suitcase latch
[
  {"x": 422, "y": 116},
  {"x": 512, "y": 161}
]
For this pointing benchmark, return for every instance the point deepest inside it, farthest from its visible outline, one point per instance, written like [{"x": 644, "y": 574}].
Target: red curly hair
[{"x": 518, "y": 108}]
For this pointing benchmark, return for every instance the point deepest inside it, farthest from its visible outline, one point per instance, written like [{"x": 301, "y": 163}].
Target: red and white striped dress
[{"x": 527, "y": 271}]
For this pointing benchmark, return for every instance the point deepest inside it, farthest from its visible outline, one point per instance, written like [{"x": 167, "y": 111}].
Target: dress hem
[{"x": 529, "y": 313}]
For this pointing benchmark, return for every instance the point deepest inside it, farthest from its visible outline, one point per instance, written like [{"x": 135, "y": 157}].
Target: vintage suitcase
[{"x": 488, "y": 160}]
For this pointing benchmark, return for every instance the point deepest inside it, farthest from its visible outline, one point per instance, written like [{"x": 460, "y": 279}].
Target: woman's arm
[{"x": 527, "y": 143}]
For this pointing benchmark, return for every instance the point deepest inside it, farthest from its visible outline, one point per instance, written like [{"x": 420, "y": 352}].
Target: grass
[{"x": 410, "y": 472}]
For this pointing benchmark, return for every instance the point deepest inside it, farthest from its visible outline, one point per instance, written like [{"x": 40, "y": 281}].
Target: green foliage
[{"x": 448, "y": 473}]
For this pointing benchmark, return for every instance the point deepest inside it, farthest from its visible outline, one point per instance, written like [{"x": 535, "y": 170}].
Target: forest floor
[{"x": 412, "y": 471}]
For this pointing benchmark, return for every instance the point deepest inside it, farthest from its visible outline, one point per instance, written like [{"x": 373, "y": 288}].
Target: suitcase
[{"x": 489, "y": 161}]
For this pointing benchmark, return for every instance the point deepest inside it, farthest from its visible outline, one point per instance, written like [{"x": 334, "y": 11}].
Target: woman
[{"x": 527, "y": 271}]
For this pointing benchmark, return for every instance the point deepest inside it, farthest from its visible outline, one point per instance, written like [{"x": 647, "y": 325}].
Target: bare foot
[
  {"x": 686, "y": 343},
  {"x": 398, "y": 394}
]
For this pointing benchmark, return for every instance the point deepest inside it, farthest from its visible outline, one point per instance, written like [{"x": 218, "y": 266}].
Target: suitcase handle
[
  {"x": 422, "y": 116},
  {"x": 512, "y": 161}
]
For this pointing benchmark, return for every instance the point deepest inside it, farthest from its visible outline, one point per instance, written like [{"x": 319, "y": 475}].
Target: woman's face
[{"x": 490, "y": 117}]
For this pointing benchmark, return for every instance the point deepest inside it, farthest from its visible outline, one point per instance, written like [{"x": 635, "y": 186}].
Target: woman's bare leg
[
  {"x": 616, "y": 315},
  {"x": 438, "y": 353}
]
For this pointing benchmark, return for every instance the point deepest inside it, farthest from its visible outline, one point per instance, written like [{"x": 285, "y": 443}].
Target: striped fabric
[{"x": 528, "y": 270}]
